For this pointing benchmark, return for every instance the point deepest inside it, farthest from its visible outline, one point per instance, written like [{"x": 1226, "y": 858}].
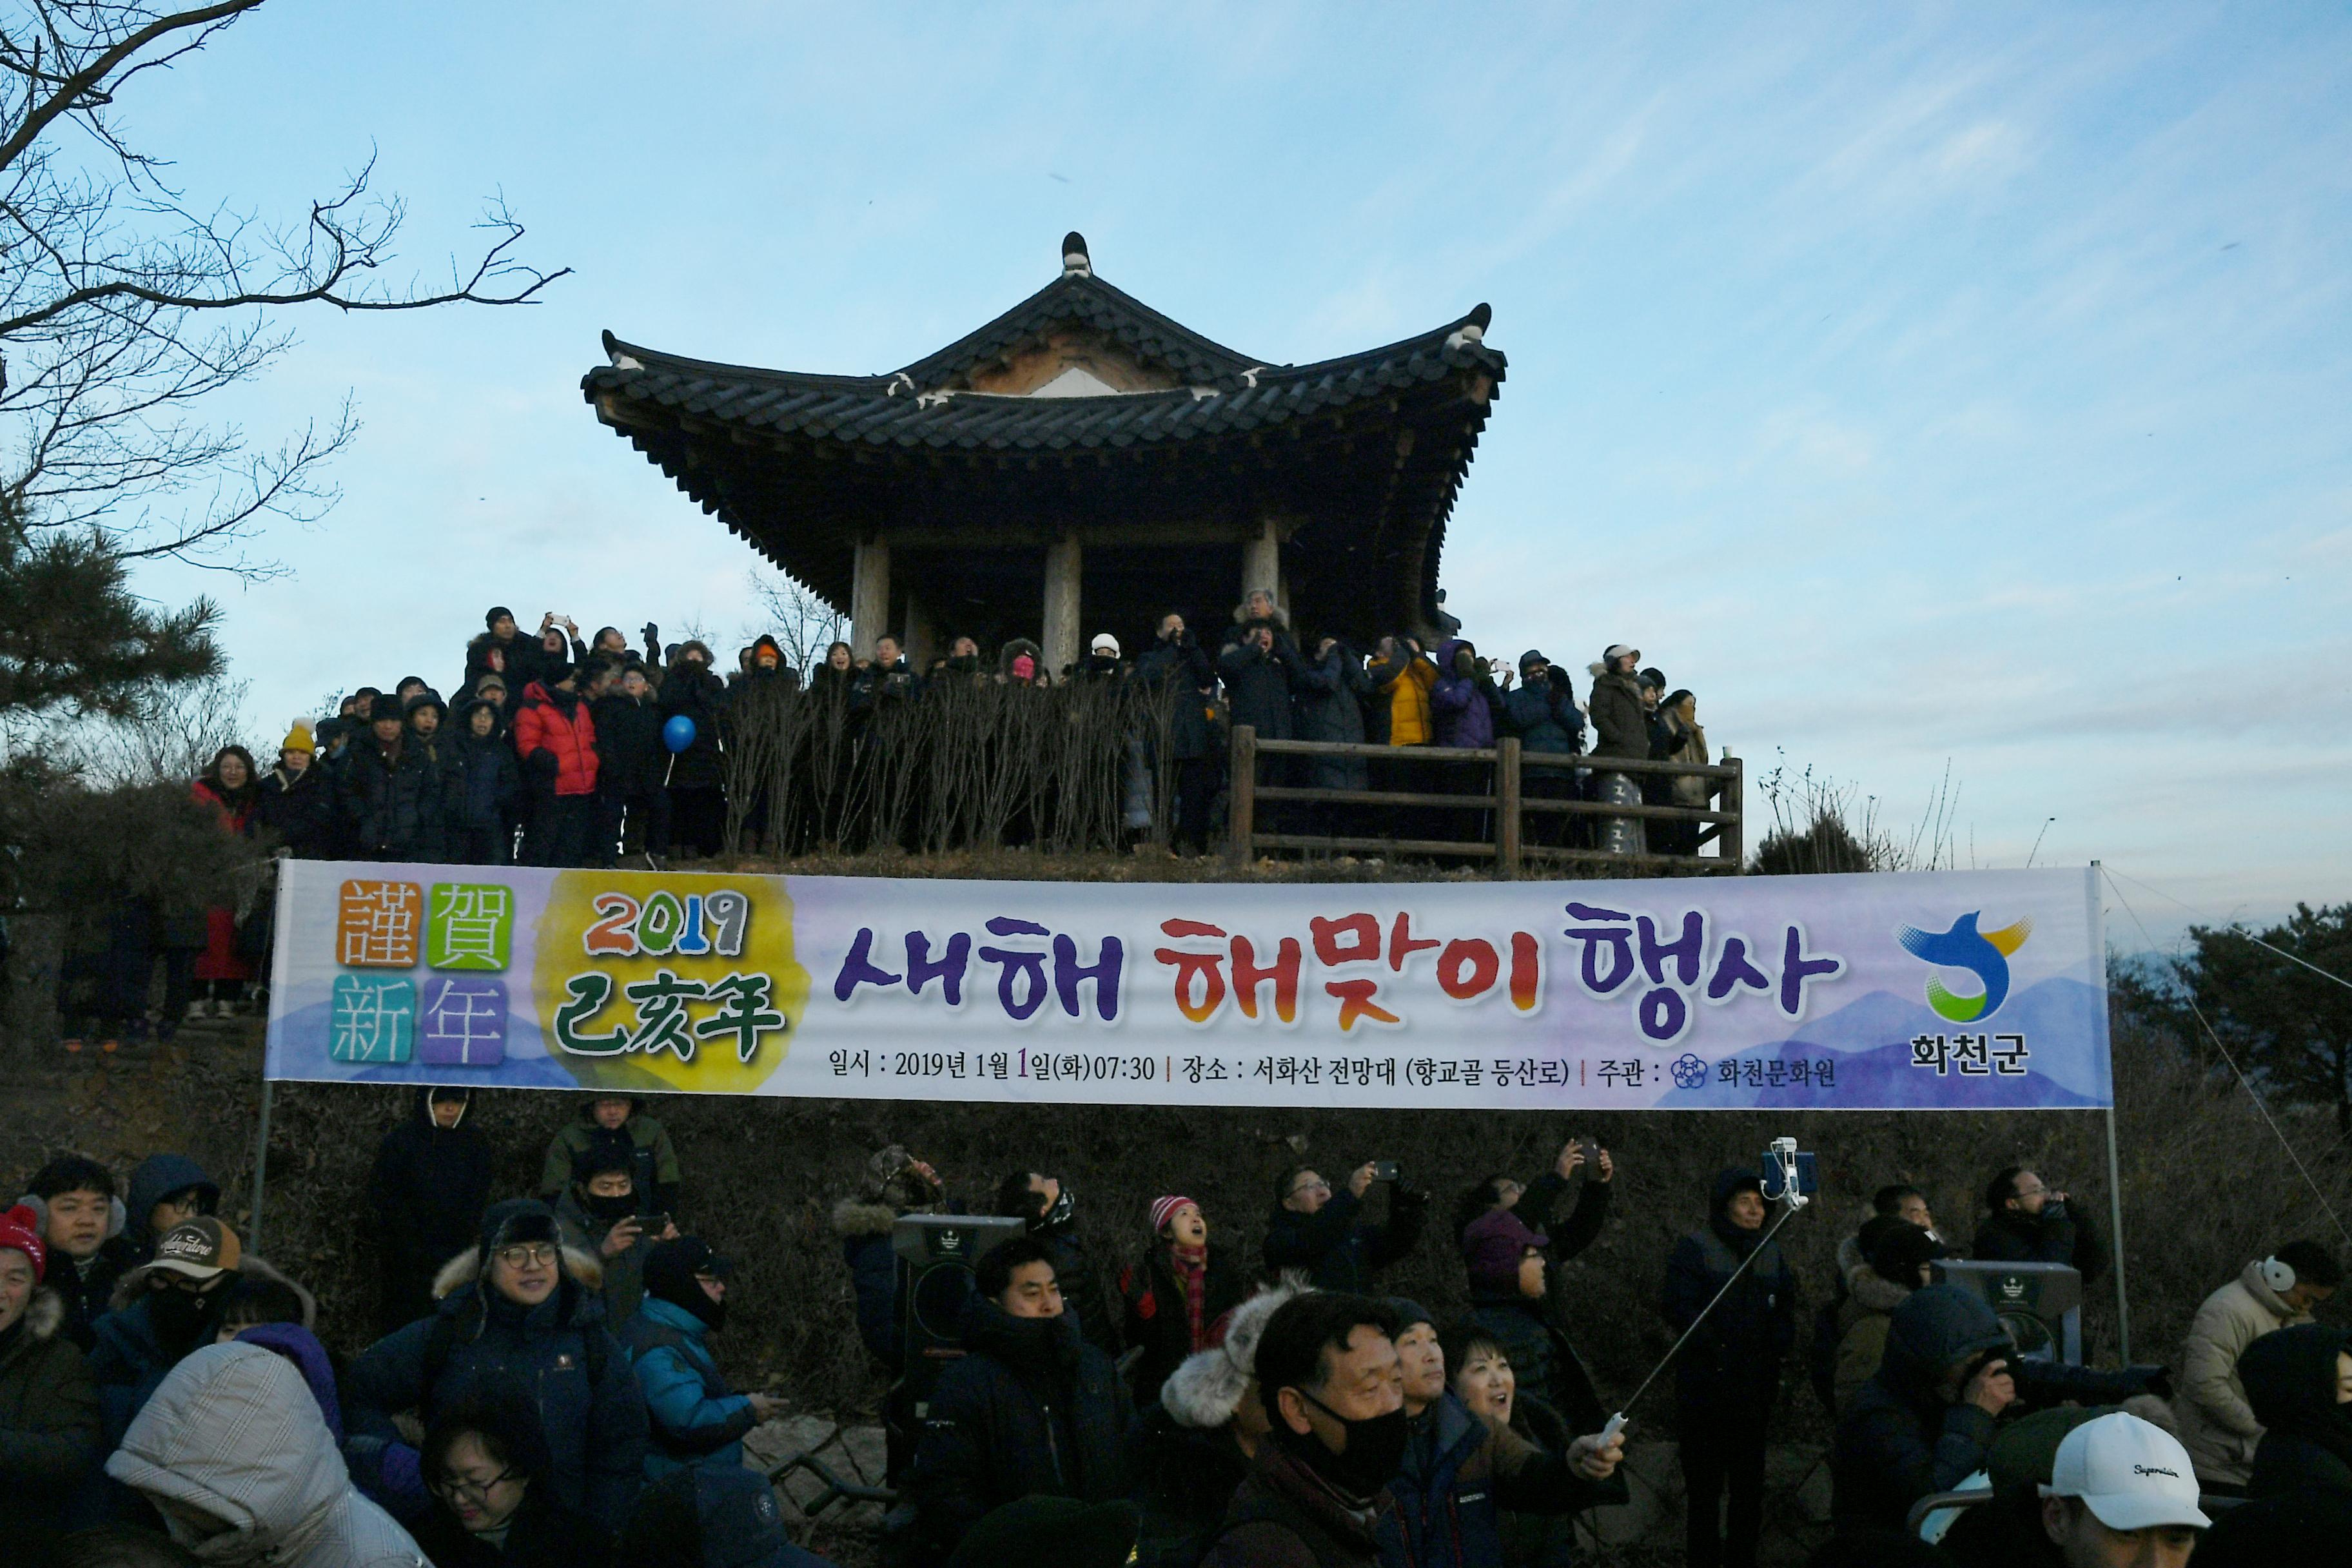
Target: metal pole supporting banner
[
  {"x": 2116, "y": 1219},
  {"x": 2099, "y": 924},
  {"x": 260, "y": 1167}
]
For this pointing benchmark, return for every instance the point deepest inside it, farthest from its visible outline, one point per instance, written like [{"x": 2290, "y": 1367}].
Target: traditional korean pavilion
[{"x": 1080, "y": 464}]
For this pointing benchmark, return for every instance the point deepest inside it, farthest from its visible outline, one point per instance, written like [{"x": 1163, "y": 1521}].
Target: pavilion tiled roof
[{"x": 907, "y": 409}]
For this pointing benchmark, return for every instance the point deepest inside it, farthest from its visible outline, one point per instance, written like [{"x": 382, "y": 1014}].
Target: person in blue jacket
[
  {"x": 520, "y": 1309},
  {"x": 692, "y": 1416}
]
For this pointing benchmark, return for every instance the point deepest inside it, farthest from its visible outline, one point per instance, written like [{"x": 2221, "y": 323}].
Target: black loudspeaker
[
  {"x": 2040, "y": 1304},
  {"x": 937, "y": 1254}
]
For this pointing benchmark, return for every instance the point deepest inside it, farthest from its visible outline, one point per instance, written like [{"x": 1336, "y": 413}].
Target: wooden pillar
[
  {"x": 1507, "y": 806},
  {"x": 921, "y": 636},
  {"x": 1731, "y": 834},
  {"x": 869, "y": 595},
  {"x": 1062, "y": 559},
  {"x": 1240, "y": 802},
  {"x": 1262, "y": 562}
]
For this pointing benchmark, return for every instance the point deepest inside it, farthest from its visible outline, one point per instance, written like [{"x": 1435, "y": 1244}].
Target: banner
[{"x": 1939, "y": 990}]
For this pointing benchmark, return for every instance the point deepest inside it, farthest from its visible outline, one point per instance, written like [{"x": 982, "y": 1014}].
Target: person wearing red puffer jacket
[{"x": 555, "y": 737}]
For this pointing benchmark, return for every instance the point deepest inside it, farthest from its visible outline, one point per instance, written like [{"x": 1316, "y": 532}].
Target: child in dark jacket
[{"x": 489, "y": 785}]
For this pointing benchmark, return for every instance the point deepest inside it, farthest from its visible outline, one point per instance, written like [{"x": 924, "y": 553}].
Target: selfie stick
[{"x": 1784, "y": 1153}]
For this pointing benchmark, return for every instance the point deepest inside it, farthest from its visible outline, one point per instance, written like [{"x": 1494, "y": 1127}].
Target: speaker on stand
[{"x": 936, "y": 1255}]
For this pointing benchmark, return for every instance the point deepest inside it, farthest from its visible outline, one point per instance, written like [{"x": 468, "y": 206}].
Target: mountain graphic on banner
[{"x": 1871, "y": 1040}]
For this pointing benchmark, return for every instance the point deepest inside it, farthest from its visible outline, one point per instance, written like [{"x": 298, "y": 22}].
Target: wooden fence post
[
  {"x": 1507, "y": 806},
  {"x": 1731, "y": 837},
  {"x": 1240, "y": 804}
]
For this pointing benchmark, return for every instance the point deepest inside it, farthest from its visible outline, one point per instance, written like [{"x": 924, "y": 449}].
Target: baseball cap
[
  {"x": 199, "y": 1248},
  {"x": 2130, "y": 1474}
]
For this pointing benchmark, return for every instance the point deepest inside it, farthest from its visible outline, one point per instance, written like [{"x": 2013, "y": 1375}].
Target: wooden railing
[{"x": 1508, "y": 805}]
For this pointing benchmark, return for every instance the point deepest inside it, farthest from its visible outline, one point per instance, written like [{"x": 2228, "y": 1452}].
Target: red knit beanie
[
  {"x": 1163, "y": 1208},
  {"x": 20, "y": 1228}
]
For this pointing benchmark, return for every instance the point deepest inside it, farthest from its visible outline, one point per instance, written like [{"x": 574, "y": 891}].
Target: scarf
[{"x": 1190, "y": 1267}]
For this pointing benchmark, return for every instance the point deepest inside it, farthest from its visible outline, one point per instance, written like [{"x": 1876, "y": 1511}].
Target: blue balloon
[{"x": 679, "y": 733}]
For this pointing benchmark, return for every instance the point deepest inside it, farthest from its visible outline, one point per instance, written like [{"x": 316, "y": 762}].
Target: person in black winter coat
[
  {"x": 628, "y": 778},
  {"x": 1178, "y": 671},
  {"x": 896, "y": 1183},
  {"x": 1925, "y": 1421},
  {"x": 82, "y": 1224},
  {"x": 426, "y": 1193},
  {"x": 2026, "y": 1222},
  {"x": 1262, "y": 673},
  {"x": 1175, "y": 1297},
  {"x": 296, "y": 801},
  {"x": 698, "y": 801},
  {"x": 1047, "y": 1207},
  {"x": 502, "y": 650},
  {"x": 396, "y": 795},
  {"x": 486, "y": 1466},
  {"x": 1324, "y": 1235},
  {"x": 1728, "y": 1376},
  {"x": 1332, "y": 691},
  {"x": 520, "y": 1310},
  {"x": 490, "y": 787},
  {"x": 1031, "y": 1409},
  {"x": 2299, "y": 1381}
]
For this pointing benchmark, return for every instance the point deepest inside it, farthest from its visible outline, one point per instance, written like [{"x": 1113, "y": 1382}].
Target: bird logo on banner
[{"x": 1984, "y": 954}]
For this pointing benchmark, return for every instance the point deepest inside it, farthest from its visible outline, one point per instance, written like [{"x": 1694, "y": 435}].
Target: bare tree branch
[{"x": 125, "y": 306}]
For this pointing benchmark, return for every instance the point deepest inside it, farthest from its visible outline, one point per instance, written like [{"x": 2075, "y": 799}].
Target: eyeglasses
[
  {"x": 454, "y": 1486},
  {"x": 1318, "y": 1186},
  {"x": 539, "y": 1255}
]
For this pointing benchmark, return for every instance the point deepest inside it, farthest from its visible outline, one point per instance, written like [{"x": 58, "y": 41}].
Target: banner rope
[
  {"x": 2276, "y": 1130},
  {"x": 1753, "y": 1252},
  {"x": 2233, "y": 928}
]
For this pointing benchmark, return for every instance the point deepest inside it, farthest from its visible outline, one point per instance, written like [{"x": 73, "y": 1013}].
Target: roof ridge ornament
[
  {"x": 1075, "y": 260},
  {"x": 1473, "y": 329},
  {"x": 620, "y": 361}
]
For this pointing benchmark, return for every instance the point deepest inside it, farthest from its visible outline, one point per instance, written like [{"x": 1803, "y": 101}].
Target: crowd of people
[
  {"x": 555, "y": 752},
  {"x": 542, "y": 1385}
]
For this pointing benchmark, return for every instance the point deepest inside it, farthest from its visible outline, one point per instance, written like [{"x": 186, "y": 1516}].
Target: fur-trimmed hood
[
  {"x": 863, "y": 1216},
  {"x": 582, "y": 1266},
  {"x": 45, "y": 1314},
  {"x": 1204, "y": 1391},
  {"x": 1874, "y": 1294},
  {"x": 133, "y": 1285}
]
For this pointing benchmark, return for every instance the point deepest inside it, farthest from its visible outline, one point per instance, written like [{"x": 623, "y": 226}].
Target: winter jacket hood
[
  {"x": 1931, "y": 1330},
  {"x": 1205, "y": 1390},
  {"x": 300, "y": 1346},
  {"x": 234, "y": 1434},
  {"x": 863, "y": 1216},
  {"x": 2289, "y": 1376},
  {"x": 157, "y": 1177},
  {"x": 1729, "y": 1184}
]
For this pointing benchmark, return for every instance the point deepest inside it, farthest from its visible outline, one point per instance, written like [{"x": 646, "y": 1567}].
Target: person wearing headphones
[
  {"x": 2217, "y": 1423},
  {"x": 81, "y": 1219}
]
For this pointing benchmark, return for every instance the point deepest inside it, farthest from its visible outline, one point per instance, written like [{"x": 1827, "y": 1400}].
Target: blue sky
[{"x": 1928, "y": 388}]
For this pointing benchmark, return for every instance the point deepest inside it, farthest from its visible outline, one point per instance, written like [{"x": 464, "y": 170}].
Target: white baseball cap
[{"x": 2130, "y": 1474}]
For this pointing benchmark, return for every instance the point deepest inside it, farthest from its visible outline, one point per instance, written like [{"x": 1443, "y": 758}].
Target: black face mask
[
  {"x": 1375, "y": 1449},
  {"x": 183, "y": 1319},
  {"x": 1059, "y": 1215}
]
